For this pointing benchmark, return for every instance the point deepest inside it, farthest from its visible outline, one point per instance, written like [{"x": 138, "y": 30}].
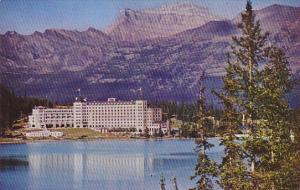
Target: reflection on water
[
  {"x": 105, "y": 167},
  {"x": 97, "y": 165},
  {"x": 12, "y": 163}
]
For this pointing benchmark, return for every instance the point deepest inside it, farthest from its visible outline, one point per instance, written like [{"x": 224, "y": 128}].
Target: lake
[{"x": 99, "y": 164}]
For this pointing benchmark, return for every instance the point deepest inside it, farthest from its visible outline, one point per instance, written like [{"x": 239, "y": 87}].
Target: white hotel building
[{"x": 104, "y": 115}]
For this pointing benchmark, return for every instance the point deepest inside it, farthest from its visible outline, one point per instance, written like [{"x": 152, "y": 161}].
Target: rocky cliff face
[
  {"x": 164, "y": 21},
  {"x": 57, "y": 62}
]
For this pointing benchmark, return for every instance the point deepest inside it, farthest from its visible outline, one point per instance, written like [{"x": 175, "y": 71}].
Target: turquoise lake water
[{"x": 101, "y": 164}]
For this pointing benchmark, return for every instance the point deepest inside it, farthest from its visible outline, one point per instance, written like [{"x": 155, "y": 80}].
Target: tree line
[
  {"x": 13, "y": 107},
  {"x": 186, "y": 112}
]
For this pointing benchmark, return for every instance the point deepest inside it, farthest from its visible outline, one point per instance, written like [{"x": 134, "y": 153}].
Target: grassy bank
[
  {"x": 75, "y": 133},
  {"x": 86, "y": 133},
  {"x": 69, "y": 134}
]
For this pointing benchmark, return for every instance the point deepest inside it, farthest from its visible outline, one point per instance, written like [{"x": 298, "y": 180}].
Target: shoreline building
[{"x": 104, "y": 115}]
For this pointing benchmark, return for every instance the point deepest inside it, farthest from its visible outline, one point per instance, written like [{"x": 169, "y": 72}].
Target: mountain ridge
[{"x": 56, "y": 62}]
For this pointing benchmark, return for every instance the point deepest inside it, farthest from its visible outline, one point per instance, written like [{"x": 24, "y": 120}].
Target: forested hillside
[{"x": 13, "y": 107}]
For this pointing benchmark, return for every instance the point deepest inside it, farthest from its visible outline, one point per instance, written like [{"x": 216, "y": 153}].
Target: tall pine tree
[
  {"x": 233, "y": 171},
  {"x": 205, "y": 169},
  {"x": 256, "y": 82}
]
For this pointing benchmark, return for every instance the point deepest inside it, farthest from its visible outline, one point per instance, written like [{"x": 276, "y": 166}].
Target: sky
[{"x": 27, "y": 16}]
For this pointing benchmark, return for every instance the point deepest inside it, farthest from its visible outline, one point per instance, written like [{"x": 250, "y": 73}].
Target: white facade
[
  {"x": 106, "y": 115},
  {"x": 51, "y": 117}
]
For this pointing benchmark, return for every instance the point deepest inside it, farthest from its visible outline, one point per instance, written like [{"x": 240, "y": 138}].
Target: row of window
[{"x": 110, "y": 121}]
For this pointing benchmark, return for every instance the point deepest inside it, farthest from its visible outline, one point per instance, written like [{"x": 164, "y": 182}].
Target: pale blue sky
[{"x": 27, "y": 16}]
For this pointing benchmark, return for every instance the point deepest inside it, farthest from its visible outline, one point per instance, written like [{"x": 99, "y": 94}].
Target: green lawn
[
  {"x": 78, "y": 133},
  {"x": 69, "y": 133}
]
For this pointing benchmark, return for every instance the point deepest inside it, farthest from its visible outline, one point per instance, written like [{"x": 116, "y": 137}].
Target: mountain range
[{"x": 160, "y": 50}]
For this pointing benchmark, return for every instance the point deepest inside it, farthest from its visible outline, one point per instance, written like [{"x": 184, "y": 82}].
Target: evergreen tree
[
  {"x": 13, "y": 107},
  {"x": 295, "y": 161},
  {"x": 146, "y": 133},
  {"x": 241, "y": 83},
  {"x": 160, "y": 132},
  {"x": 205, "y": 169},
  {"x": 248, "y": 55},
  {"x": 277, "y": 160},
  {"x": 233, "y": 171},
  {"x": 8, "y": 111},
  {"x": 256, "y": 82}
]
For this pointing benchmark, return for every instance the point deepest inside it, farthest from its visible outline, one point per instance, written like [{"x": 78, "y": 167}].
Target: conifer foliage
[
  {"x": 13, "y": 107},
  {"x": 233, "y": 172},
  {"x": 256, "y": 81},
  {"x": 205, "y": 169}
]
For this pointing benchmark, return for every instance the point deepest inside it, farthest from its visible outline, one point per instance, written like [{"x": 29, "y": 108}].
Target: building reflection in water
[{"x": 80, "y": 169}]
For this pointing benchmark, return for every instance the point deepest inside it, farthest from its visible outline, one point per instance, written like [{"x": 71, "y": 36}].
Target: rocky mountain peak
[
  {"x": 128, "y": 12},
  {"x": 94, "y": 33},
  {"x": 138, "y": 25},
  {"x": 91, "y": 29},
  {"x": 37, "y": 33},
  {"x": 55, "y": 32},
  {"x": 11, "y": 33}
]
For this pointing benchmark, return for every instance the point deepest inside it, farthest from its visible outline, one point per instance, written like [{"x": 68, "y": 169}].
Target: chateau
[{"x": 101, "y": 116}]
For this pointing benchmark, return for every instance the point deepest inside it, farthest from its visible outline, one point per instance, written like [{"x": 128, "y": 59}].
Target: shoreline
[{"x": 6, "y": 141}]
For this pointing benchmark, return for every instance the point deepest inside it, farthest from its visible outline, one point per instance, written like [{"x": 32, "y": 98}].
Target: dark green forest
[
  {"x": 14, "y": 107},
  {"x": 186, "y": 112}
]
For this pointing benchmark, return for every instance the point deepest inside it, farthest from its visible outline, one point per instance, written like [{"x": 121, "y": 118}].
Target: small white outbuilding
[{"x": 44, "y": 133}]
